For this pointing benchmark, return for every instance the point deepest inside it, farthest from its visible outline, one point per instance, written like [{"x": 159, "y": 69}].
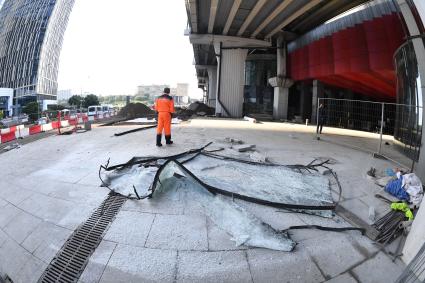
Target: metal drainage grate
[{"x": 71, "y": 260}]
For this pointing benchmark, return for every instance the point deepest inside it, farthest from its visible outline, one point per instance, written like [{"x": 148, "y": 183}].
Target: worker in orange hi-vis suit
[{"x": 164, "y": 105}]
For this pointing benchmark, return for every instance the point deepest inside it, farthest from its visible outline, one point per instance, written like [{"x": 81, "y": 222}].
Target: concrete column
[
  {"x": 305, "y": 98},
  {"x": 230, "y": 81},
  {"x": 281, "y": 83},
  {"x": 416, "y": 237},
  {"x": 212, "y": 86},
  {"x": 318, "y": 92}
]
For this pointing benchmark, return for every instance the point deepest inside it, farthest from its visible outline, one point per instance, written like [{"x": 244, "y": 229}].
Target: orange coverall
[{"x": 164, "y": 105}]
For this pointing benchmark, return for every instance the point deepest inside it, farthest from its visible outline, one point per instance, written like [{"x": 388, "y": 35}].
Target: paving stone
[
  {"x": 3, "y": 237},
  {"x": 15, "y": 195},
  {"x": 47, "y": 208},
  {"x": 13, "y": 258},
  {"x": 3, "y": 203},
  {"x": 133, "y": 264},
  {"x": 80, "y": 194},
  {"x": 7, "y": 213},
  {"x": 227, "y": 266},
  {"x": 97, "y": 262},
  {"x": 359, "y": 208},
  {"x": 160, "y": 206},
  {"x": 130, "y": 228},
  {"x": 21, "y": 226},
  {"x": 181, "y": 232},
  {"x": 31, "y": 271},
  {"x": 46, "y": 240},
  {"x": 333, "y": 252},
  {"x": 274, "y": 266},
  {"x": 219, "y": 240},
  {"x": 378, "y": 269},
  {"x": 352, "y": 190},
  {"x": 343, "y": 278},
  {"x": 74, "y": 217}
]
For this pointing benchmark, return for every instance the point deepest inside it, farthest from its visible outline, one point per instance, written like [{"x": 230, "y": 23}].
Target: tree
[
  {"x": 32, "y": 109},
  {"x": 90, "y": 100},
  {"x": 55, "y": 107},
  {"x": 75, "y": 100}
]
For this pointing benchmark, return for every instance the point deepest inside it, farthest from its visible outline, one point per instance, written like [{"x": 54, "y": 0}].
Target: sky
[{"x": 110, "y": 47}]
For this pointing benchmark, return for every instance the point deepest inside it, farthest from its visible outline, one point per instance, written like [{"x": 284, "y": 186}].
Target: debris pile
[
  {"x": 136, "y": 110},
  {"x": 196, "y": 108},
  {"x": 211, "y": 181}
]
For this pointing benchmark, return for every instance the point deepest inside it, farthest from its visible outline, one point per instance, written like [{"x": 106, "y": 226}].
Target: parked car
[{"x": 94, "y": 110}]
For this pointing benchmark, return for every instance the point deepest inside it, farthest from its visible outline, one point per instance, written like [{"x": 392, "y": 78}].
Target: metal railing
[{"x": 402, "y": 121}]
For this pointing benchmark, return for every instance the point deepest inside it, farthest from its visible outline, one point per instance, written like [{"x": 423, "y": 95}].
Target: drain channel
[{"x": 69, "y": 263}]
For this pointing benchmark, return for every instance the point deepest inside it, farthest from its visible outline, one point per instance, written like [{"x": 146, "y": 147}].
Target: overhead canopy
[{"x": 256, "y": 19}]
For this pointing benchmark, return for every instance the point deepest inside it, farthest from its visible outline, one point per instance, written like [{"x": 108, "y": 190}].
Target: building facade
[
  {"x": 150, "y": 91},
  {"x": 31, "y": 36}
]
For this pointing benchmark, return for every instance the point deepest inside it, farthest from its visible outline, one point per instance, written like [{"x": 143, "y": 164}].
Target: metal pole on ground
[
  {"x": 317, "y": 117},
  {"x": 382, "y": 127}
]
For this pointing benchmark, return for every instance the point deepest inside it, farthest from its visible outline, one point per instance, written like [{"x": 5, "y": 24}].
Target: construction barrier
[
  {"x": 7, "y": 137},
  {"x": 35, "y": 129},
  {"x": 73, "y": 122},
  {"x": 55, "y": 124},
  {"x": 48, "y": 127},
  {"x": 22, "y": 133}
]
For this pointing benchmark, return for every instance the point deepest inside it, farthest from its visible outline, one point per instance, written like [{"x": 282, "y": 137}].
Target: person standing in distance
[
  {"x": 322, "y": 118},
  {"x": 164, "y": 106}
]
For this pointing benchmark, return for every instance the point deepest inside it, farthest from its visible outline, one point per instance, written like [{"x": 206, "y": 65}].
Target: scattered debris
[
  {"x": 371, "y": 172},
  {"x": 372, "y": 213},
  {"x": 11, "y": 147},
  {"x": 249, "y": 119},
  {"x": 199, "y": 107},
  {"x": 135, "y": 130},
  {"x": 407, "y": 187},
  {"x": 389, "y": 226},
  {"x": 243, "y": 147},
  {"x": 196, "y": 108},
  {"x": 213, "y": 181},
  {"x": 136, "y": 110},
  {"x": 233, "y": 141},
  {"x": 258, "y": 157}
]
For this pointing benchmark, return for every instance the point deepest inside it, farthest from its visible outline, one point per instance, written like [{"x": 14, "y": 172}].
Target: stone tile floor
[{"x": 50, "y": 186}]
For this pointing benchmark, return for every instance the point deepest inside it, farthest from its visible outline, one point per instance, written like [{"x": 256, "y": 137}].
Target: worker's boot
[
  {"x": 168, "y": 140},
  {"x": 158, "y": 140}
]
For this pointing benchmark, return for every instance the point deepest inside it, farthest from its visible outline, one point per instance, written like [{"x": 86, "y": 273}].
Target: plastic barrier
[
  {"x": 55, "y": 124},
  {"x": 7, "y": 137},
  {"x": 47, "y": 127},
  {"x": 22, "y": 133},
  {"x": 85, "y": 119},
  {"x": 5, "y": 131},
  {"x": 64, "y": 123},
  {"x": 73, "y": 122},
  {"x": 35, "y": 129}
]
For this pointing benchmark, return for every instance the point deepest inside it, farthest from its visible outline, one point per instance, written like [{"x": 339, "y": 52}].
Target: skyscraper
[{"x": 31, "y": 36}]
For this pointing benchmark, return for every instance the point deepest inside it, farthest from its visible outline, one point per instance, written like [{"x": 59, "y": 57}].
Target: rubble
[
  {"x": 243, "y": 147},
  {"x": 136, "y": 110},
  {"x": 213, "y": 181}
]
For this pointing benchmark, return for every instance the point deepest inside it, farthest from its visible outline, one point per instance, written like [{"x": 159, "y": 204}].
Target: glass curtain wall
[
  {"x": 408, "y": 122},
  {"x": 258, "y": 94}
]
